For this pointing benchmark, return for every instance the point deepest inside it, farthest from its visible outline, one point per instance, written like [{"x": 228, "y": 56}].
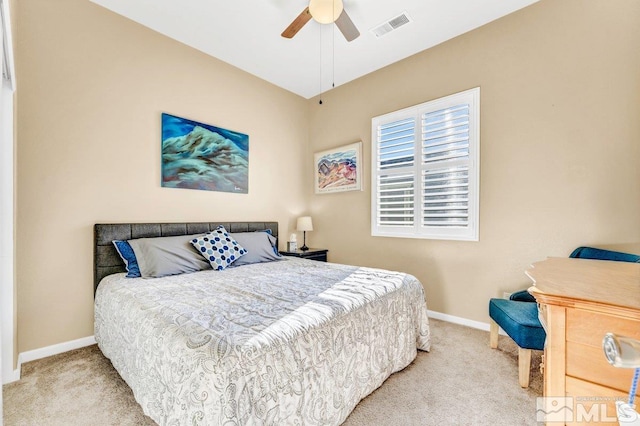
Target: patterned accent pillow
[{"x": 218, "y": 248}]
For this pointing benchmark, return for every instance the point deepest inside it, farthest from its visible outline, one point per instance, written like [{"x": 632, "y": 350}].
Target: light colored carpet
[{"x": 460, "y": 382}]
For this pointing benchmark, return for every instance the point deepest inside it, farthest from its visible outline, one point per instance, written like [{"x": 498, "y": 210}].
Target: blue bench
[
  {"x": 520, "y": 321},
  {"x": 518, "y": 317}
]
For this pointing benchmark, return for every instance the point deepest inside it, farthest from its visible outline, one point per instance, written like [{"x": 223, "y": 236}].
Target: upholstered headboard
[{"x": 106, "y": 258}]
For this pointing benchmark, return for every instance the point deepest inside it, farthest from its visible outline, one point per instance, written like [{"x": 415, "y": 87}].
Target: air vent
[{"x": 391, "y": 24}]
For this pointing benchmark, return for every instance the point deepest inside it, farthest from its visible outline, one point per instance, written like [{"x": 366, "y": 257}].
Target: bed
[{"x": 292, "y": 341}]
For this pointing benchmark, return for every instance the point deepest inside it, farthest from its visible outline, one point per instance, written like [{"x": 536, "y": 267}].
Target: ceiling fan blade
[
  {"x": 346, "y": 26},
  {"x": 297, "y": 24}
]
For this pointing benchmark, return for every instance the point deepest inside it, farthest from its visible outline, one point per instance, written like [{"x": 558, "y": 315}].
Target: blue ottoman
[{"x": 520, "y": 321}]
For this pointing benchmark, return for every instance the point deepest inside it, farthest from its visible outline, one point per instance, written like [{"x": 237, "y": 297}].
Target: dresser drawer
[
  {"x": 585, "y": 356},
  {"x": 586, "y": 395},
  {"x": 589, "y": 328},
  {"x": 589, "y": 363}
]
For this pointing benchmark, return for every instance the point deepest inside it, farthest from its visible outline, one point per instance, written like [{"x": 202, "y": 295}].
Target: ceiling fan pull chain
[
  {"x": 333, "y": 47},
  {"x": 320, "y": 66}
]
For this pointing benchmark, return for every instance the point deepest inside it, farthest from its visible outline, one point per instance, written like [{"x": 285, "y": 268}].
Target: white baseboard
[
  {"x": 55, "y": 349},
  {"x": 462, "y": 321},
  {"x": 48, "y": 351}
]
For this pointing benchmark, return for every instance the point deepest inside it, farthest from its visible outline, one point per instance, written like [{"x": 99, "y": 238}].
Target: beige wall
[
  {"x": 560, "y": 148},
  {"x": 92, "y": 86},
  {"x": 560, "y": 151}
]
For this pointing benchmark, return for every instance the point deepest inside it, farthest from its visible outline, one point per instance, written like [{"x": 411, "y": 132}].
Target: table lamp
[{"x": 304, "y": 225}]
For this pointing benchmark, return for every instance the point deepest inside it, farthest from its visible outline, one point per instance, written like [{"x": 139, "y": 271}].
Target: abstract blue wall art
[{"x": 201, "y": 156}]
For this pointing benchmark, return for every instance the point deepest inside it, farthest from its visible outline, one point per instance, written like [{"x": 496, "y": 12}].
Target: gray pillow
[
  {"x": 161, "y": 256},
  {"x": 260, "y": 247}
]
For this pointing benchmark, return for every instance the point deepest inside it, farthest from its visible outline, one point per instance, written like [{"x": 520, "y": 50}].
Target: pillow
[
  {"x": 219, "y": 248},
  {"x": 128, "y": 257},
  {"x": 162, "y": 256},
  {"x": 260, "y": 246},
  {"x": 273, "y": 241}
]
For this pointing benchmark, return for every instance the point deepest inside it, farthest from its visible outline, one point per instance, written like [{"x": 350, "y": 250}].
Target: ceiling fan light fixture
[{"x": 325, "y": 11}]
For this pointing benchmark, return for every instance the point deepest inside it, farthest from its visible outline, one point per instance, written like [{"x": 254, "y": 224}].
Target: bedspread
[{"x": 293, "y": 342}]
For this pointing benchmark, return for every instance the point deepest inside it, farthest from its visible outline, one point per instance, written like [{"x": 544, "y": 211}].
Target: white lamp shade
[
  {"x": 325, "y": 11},
  {"x": 304, "y": 224}
]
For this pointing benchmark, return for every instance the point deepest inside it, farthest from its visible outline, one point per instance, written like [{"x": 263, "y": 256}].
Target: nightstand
[{"x": 312, "y": 254}]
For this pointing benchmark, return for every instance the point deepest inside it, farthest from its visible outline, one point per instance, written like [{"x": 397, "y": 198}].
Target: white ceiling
[{"x": 246, "y": 34}]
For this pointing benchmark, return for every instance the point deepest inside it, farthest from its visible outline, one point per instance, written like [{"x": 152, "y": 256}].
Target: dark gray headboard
[{"x": 106, "y": 258}]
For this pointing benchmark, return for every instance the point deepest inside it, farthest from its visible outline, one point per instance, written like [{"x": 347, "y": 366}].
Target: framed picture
[
  {"x": 202, "y": 156},
  {"x": 339, "y": 169}
]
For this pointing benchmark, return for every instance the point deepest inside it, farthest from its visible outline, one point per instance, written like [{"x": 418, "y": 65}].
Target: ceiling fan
[{"x": 324, "y": 12}]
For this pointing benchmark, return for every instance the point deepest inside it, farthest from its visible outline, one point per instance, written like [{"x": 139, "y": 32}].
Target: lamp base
[{"x": 304, "y": 241}]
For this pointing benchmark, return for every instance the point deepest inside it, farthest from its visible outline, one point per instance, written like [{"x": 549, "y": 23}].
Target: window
[{"x": 425, "y": 170}]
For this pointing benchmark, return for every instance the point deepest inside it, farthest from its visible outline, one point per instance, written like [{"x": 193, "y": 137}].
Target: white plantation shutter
[
  {"x": 426, "y": 170},
  {"x": 396, "y": 199},
  {"x": 396, "y": 160}
]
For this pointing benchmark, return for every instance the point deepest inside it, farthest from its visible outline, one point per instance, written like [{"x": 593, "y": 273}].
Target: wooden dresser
[{"x": 580, "y": 301}]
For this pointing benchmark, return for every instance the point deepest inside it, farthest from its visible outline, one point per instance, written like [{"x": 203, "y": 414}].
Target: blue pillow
[
  {"x": 128, "y": 257},
  {"x": 218, "y": 248}
]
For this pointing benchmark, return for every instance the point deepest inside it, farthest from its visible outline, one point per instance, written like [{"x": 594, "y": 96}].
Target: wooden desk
[{"x": 580, "y": 301}]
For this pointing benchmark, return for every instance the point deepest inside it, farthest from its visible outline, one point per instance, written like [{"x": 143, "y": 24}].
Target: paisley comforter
[{"x": 293, "y": 342}]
